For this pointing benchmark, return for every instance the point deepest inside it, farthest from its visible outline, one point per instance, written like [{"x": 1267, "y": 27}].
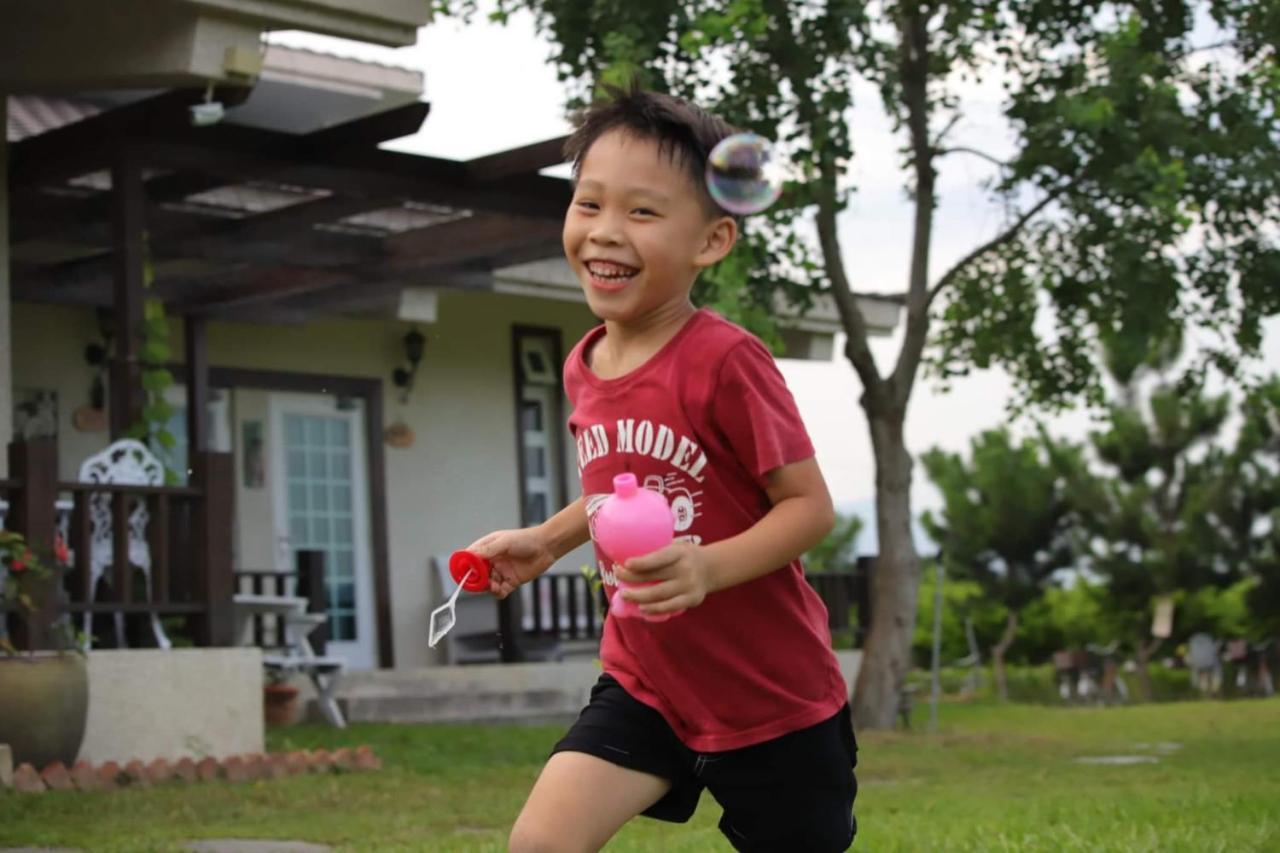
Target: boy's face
[{"x": 637, "y": 231}]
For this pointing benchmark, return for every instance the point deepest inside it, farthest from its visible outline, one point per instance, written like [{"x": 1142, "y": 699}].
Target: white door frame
[{"x": 363, "y": 652}]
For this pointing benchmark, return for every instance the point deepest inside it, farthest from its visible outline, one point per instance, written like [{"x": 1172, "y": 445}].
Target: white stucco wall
[
  {"x": 457, "y": 482},
  {"x": 48, "y": 353}
]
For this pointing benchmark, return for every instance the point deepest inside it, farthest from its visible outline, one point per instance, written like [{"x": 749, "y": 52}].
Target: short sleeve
[{"x": 753, "y": 408}]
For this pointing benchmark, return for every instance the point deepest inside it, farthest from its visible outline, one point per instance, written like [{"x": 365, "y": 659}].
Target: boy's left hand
[{"x": 683, "y": 574}]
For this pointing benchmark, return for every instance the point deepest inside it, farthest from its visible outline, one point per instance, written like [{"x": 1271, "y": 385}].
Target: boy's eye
[
  {"x": 644, "y": 211},
  {"x": 587, "y": 205}
]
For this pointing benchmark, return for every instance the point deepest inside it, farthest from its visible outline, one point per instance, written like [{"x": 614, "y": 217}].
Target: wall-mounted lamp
[{"x": 402, "y": 377}]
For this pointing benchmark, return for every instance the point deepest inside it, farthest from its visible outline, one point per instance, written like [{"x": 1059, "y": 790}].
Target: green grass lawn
[{"x": 994, "y": 778}]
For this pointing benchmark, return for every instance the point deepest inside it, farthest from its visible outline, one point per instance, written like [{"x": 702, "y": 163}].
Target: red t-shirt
[{"x": 702, "y": 422}]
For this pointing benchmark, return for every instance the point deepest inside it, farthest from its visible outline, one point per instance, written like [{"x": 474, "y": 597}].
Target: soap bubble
[{"x": 743, "y": 175}]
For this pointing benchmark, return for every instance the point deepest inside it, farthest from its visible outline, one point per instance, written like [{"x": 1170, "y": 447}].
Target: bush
[{"x": 1038, "y": 685}]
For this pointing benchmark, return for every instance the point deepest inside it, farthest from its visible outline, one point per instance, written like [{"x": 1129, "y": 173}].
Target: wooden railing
[
  {"x": 561, "y": 606},
  {"x": 188, "y": 538},
  {"x": 564, "y": 606}
]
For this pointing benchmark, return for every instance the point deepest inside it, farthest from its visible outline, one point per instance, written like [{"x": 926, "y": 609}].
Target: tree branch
[
  {"x": 942, "y": 134},
  {"x": 1203, "y": 48},
  {"x": 964, "y": 149},
  {"x": 1000, "y": 239},
  {"x": 857, "y": 348},
  {"x": 914, "y": 72}
]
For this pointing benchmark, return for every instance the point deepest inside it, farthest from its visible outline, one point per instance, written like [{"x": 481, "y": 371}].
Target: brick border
[{"x": 110, "y": 776}]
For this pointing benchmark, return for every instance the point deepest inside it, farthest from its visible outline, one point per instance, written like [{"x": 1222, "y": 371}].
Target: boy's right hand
[{"x": 516, "y": 557}]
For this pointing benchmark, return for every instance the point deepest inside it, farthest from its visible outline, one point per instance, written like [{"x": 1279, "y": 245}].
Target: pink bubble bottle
[{"x": 630, "y": 523}]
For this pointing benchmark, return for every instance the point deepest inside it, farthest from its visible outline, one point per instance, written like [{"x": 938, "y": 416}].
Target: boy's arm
[
  {"x": 566, "y": 530},
  {"x": 518, "y": 556},
  {"x": 801, "y": 516}
]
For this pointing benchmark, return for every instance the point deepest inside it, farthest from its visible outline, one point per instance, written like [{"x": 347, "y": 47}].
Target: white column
[{"x": 6, "y": 307}]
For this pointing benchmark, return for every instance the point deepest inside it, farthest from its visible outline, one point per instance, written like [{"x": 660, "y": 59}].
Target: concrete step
[
  {"x": 514, "y": 692},
  {"x": 480, "y": 693}
]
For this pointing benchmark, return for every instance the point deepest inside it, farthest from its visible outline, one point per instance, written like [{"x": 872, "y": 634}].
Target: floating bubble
[{"x": 743, "y": 175}]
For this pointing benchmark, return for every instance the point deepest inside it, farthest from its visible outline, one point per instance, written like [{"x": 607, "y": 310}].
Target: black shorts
[{"x": 792, "y": 793}]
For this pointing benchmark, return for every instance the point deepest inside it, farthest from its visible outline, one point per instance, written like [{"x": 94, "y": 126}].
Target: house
[{"x": 373, "y": 337}]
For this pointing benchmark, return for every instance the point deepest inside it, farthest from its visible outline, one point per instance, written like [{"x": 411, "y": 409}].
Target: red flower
[
  {"x": 19, "y": 564},
  {"x": 60, "y": 551}
]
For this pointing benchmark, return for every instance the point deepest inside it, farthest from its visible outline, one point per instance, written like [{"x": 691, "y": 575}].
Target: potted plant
[
  {"x": 279, "y": 698},
  {"x": 44, "y": 685}
]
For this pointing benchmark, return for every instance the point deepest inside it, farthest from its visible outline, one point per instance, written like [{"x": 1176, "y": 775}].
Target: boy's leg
[
  {"x": 795, "y": 792},
  {"x": 579, "y": 802}
]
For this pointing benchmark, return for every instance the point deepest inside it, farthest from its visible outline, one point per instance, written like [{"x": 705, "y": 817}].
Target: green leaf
[
  {"x": 156, "y": 381},
  {"x": 155, "y": 352},
  {"x": 157, "y": 412}
]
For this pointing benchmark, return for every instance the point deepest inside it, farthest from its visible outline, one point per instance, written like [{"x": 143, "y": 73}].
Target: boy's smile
[{"x": 638, "y": 231}]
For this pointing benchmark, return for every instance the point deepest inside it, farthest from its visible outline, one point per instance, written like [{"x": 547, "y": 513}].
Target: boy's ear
[{"x": 718, "y": 240}]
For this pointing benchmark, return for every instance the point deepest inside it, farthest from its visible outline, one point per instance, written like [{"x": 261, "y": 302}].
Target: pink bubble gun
[{"x": 633, "y": 522}]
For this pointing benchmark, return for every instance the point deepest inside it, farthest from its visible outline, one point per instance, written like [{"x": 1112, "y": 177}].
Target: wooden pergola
[{"x": 254, "y": 225}]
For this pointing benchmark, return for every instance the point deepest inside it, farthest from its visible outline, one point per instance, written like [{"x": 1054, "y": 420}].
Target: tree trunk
[
  {"x": 997, "y": 655},
  {"x": 1145, "y": 651},
  {"x": 895, "y": 581}
]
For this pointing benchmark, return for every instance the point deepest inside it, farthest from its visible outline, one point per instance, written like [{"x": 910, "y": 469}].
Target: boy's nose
[{"x": 605, "y": 231}]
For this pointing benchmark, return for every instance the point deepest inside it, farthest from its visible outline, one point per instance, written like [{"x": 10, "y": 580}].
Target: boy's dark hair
[{"x": 683, "y": 131}]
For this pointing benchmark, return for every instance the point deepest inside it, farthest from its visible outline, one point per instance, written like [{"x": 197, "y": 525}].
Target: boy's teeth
[{"x": 610, "y": 271}]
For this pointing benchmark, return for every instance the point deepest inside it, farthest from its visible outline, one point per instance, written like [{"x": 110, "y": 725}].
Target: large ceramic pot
[{"x": 44, "y": 700}]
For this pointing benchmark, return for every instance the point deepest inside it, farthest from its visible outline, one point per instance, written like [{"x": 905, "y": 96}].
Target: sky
[{"x": 492, "y": 88}]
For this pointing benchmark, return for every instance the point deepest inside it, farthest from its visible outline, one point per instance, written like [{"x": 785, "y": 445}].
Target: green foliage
[
  {"x": 961, "y": 600},
  {"x": 1146, "y": 513},
  {"x": 1159, "y": 157},
  {"x": 1137, "y": 127},
  {"x": 155, "y": 355},
  {"x": 1003, "y": 521},
  {"x": 839, "y": 550}
]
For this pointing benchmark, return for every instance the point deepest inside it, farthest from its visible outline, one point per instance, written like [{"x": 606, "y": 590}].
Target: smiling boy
[{"x": 740, "y": 694}]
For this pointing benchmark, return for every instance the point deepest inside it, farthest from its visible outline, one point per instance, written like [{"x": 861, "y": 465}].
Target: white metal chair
[{"x": 126, "y": 462}]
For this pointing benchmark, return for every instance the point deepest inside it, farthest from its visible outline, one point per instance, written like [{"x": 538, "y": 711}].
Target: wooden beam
[
  {"x": 197, "y": 370},
  {"x": 526, "y": 160},
  {"x": 86, "y": 146},
  {"x": 372, "y": 173},
  {"x": 268, "y": 286},
  {"x": 128, "y": 235}
]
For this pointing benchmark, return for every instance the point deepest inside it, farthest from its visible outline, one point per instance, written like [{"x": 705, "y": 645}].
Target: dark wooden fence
[
  {"x": 565, "y": 607},
  {"x": 189, "y": 538}
]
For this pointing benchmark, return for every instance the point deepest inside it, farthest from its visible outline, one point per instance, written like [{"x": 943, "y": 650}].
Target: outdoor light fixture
[
  {"x": 402, "y": 377},
  {"x": 209, "y": 112}
]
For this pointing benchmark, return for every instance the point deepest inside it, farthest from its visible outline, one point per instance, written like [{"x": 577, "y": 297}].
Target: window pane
[
  {"x": 535, "y": 509},
  {"x": 535, "y": 462},
  {"x": 341, "y": 498},
  {"x": 340, "y": 466},
  {"x": 293, "y": 431},
  {"x": 338, "y": 433},
  {"x": 530, "y": 416},
  {"x": 315, "y": 432}
]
